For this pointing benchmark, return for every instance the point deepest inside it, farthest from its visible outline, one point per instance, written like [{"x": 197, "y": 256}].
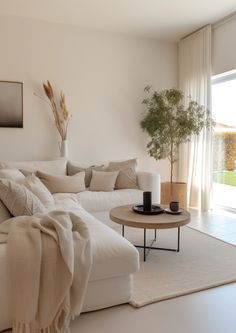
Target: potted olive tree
[{"x": 170, "y": 122}]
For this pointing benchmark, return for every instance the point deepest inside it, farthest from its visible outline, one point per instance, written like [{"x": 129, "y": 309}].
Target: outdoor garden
[{"x": 224, "y": 163}]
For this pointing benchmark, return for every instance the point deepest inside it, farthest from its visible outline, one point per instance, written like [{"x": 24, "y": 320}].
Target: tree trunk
[
  {"x": 171, "y": 162},
  {"x": 171, "y": 167}
]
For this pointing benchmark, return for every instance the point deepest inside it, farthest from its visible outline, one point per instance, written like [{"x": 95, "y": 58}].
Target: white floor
[
  {"x": 219, "y": 223},
  {"x": 211, "y": 311},
  {"x": 228, "y": 199}
]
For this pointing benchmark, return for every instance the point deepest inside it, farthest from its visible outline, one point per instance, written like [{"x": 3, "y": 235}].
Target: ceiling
[{"x": 162, "y": 19}]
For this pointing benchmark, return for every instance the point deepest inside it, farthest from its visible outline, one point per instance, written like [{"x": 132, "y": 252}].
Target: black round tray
[{"x": 155, "y": 210}]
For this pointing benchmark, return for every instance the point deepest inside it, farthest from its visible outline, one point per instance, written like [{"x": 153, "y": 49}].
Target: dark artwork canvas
[{"x": 11, "y": 104}]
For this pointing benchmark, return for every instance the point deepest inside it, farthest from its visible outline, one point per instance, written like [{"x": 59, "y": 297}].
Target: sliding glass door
[{"x": 224, "y": 140}]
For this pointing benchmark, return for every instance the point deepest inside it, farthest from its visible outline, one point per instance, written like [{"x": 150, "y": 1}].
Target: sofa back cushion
[
  {"x": 127, "y": 177},
  {"x": 18, "y": 199},
  {"x": 55, "y": 167},
  {"x": 12, "y": 174},
  {"x": 63, "y": 184}
]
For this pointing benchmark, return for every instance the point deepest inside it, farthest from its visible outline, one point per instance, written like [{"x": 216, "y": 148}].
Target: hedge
[{"x": 224, "y": 151}]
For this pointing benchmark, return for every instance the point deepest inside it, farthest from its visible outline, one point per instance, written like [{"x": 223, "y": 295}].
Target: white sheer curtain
[{"x": 195, "y": 158}]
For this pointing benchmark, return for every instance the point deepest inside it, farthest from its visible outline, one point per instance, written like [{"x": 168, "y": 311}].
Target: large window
[{"x": 224, "y": 140}]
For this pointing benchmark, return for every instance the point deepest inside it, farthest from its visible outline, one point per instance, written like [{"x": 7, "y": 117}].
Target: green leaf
[{"x": 170, "y": 122}]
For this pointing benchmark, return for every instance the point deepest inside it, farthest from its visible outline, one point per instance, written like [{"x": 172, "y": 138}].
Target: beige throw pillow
[
  {"x": 103, "y": 181},
  {"x": 18, "y": 199},
  {"x": 4, "y": 213},
  {"x": 72, "y": 169},
  {"x": 26, "y": 172},
  {"x": 127, "y": 177},
  {"x": 35, "y": 185},
  {"x": 63, "y": 184},
  {"x": 12, "y": 174}
]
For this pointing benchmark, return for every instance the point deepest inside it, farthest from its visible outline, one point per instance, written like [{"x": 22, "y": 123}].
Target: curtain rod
[{"x": 215, "y": 25}]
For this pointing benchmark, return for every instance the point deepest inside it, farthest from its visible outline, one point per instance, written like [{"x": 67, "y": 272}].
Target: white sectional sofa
[{"x": 114, "y": 258}]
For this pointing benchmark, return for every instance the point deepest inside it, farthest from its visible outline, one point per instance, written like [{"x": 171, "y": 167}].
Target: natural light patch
[
  {"x": 224, "y": 103},
  {"x": 224, "y": 138}
]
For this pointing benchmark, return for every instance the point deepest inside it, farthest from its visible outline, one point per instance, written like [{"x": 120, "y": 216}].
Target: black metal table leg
[
  {"x": 123, "y": 230},
  {"x": 178, "y": 239},
  {"x": 155, "y": 238},
  {"x": 144, "y": 244},
  {"x": 146, "y": 248}
]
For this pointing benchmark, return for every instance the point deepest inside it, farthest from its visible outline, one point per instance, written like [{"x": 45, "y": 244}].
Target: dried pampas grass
[{"x": 61, "y": 113}]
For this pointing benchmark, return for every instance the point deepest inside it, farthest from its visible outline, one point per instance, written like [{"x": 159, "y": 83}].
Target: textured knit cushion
[
  {"x": 103, "y": 181},
  {"x": 18, "y": 199},
  {"x": 4, "y": 213},
  {"x": 127, "y": 177},
  {"x": 35, "y": 185},
  {"x": 12, "y": 174},
  {"x": 60, "y": 184},
  {"x": 73, "y": 168}
]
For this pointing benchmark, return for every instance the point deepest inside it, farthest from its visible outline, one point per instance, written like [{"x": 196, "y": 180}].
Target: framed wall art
[{"x": 11, "y": 104}]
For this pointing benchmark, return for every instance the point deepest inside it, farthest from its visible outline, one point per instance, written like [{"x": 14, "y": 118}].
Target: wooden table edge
[{"x": 151, "y": 225}]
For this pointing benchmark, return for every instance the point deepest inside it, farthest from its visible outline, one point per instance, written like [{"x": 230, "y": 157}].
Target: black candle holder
[{"x": 147, "y": 201}]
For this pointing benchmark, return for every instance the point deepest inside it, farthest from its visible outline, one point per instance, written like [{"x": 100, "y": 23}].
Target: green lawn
[{"x": 225, "y": 177}]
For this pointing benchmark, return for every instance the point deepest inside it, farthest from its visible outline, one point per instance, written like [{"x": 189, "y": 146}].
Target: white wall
[
  {"x": 224, "y": 47},
  {"x": 102, "y": 75}
]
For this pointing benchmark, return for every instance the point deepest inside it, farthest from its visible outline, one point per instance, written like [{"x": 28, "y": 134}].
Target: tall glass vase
[{"x": 63, "y": 146}]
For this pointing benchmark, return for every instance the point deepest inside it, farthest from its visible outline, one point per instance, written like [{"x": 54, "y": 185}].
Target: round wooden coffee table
[{"x": 125, "y": 216}]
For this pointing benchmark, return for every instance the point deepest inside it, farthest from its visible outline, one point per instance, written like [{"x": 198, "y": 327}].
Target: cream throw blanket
[{"x": 49, "y": 260}]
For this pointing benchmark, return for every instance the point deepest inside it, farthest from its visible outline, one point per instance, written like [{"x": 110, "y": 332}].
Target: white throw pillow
[
  {"x": 103, "y": 180},
  {"x": 63, "y": 184},
  {"x": 18, "y": 199},
  {"x": 12, "y": 174},
  {"x": 35, "y": 185}
]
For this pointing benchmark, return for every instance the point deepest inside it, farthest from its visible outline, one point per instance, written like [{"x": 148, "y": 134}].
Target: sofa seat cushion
[
  {"x": 113, "y": 255},
  {"x": 66, "y": 201},
  {"x": 101, "y": 201}
]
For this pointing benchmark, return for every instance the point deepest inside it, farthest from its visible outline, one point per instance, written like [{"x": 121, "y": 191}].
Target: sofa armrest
[{"x": 150, "y": 181}]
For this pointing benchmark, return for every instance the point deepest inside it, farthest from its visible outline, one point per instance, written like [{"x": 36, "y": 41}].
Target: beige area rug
[{"x": 203, "y": 262}]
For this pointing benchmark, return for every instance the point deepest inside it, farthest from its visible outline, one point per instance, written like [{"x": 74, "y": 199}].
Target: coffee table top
[{"x": 124, "y": 215}]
